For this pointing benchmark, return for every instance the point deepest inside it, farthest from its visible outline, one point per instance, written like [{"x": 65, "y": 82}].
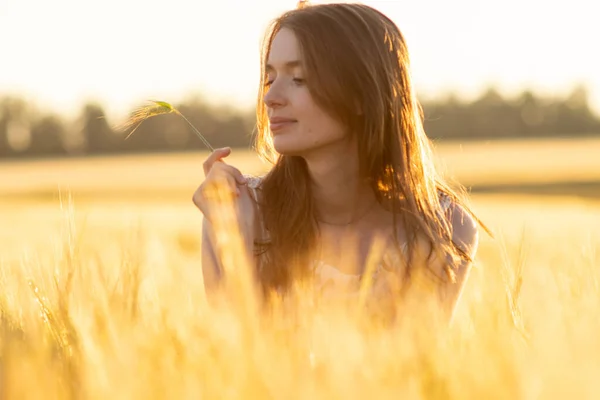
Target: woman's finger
[
  {"x": 236, "y": 174},
  {"x": 221, "y": 183},
  {"x": 214, "y": 157}
]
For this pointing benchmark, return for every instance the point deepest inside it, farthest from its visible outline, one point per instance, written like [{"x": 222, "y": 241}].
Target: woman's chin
[
  {"x": 288, "y": 152},
  {"x": 286, "y": 148}
]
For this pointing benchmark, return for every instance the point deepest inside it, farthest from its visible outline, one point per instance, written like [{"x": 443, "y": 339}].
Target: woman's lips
[{"x": 279, "y": 126}]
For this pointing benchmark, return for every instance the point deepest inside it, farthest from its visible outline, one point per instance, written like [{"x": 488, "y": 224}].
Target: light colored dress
[{"x": 333, "y": 284}]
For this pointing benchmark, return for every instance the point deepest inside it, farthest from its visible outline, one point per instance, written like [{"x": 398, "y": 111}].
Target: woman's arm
[
  {"x": 446, "y": 293},
  {"x": 465, "y": 236},
  {"x": 211, "y": 268}
]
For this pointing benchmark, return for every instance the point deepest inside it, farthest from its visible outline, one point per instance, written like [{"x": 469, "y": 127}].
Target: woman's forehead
[{"x": 284, "y": 52}]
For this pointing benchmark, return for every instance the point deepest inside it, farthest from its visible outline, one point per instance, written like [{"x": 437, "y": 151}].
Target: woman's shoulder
[
  {"x": 465, "y": 233},
  {"x": 254, "y": 181},
  {"x": 445, "y": 200}
]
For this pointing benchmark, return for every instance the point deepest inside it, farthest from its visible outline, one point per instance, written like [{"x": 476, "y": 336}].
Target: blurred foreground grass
[{"x": 102, "y": 298}]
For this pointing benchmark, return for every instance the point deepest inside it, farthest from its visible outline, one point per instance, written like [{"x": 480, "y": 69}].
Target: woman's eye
[
  {"x": 297, "y": 82},
  {"x": 268, "y": 80}
]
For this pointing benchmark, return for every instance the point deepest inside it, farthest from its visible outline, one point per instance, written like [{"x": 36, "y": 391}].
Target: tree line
[{"x": 27, "y": 132}]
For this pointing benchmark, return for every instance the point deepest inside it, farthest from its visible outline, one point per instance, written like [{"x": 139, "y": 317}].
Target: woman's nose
[{"x": 274, "y": 96}]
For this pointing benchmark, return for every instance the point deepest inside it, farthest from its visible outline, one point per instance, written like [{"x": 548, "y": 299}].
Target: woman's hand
[
  {"x": 221, "y": 181},
  {"x": 222, "y": 185},
  {"x": 219, "y": 176}
]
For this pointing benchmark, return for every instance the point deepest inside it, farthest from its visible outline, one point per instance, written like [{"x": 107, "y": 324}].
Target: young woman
[{"x": 338, "y": 119}]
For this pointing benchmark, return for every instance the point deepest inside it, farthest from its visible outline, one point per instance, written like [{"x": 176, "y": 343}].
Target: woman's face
[{"x": 298, "y": 125}]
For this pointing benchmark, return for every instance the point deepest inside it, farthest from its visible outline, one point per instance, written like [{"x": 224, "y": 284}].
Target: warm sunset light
[{"x": 410, "y": 211}]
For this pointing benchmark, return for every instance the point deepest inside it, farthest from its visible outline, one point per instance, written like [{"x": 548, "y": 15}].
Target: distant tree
[
  {"x": 98, "y": 135},
  {"x": 5, "y": 149},
  {"x": 15, "y": 134},
  {"x": 531, "y": 111},
  {"x": 24, "y": 132},
  {"x": 573, "y": 115},
  {"x": 493, "y": 116},
  {"x": 444, "y": 118},
  {"x": 221, "y": 125},
  {"x": 47, "y": 137},
  {"x": 151, "y": 135}
]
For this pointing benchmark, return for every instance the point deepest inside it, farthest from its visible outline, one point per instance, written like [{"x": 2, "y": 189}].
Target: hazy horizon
[{"x": 65, "y": 53}]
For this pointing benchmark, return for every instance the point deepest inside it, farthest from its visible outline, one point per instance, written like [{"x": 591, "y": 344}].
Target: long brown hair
[{"x": 352, "y": 54}]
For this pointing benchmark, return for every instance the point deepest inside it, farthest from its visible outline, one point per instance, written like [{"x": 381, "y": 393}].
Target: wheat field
[{"x": 102, "y": 290}]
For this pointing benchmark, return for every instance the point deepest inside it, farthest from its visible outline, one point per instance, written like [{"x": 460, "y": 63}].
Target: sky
[{"x": 60, "y": 53}]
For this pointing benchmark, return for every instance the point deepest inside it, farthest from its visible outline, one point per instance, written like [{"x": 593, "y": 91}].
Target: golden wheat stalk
[{"x": 156, "y": 107}]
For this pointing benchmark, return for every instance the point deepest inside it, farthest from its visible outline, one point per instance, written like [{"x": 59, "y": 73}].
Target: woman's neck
[{"x": 341, "y": 195}]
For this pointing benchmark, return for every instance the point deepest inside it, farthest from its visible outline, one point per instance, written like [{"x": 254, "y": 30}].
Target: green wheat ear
[
  {"x": 163, "y": 104},
  {"x": 156, "y": 107}
]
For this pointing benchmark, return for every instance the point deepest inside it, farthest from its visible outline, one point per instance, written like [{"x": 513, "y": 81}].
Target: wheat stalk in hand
[{"x": 153, "y": 109}]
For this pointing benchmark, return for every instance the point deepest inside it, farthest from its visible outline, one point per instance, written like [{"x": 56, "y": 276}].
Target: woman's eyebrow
[{"x": 288, "y": 65}]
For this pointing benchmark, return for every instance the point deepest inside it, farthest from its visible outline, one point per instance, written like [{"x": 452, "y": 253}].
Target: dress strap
[
  {"x": 254, "y": 183},
  {"x": 445, "y": 201}
]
